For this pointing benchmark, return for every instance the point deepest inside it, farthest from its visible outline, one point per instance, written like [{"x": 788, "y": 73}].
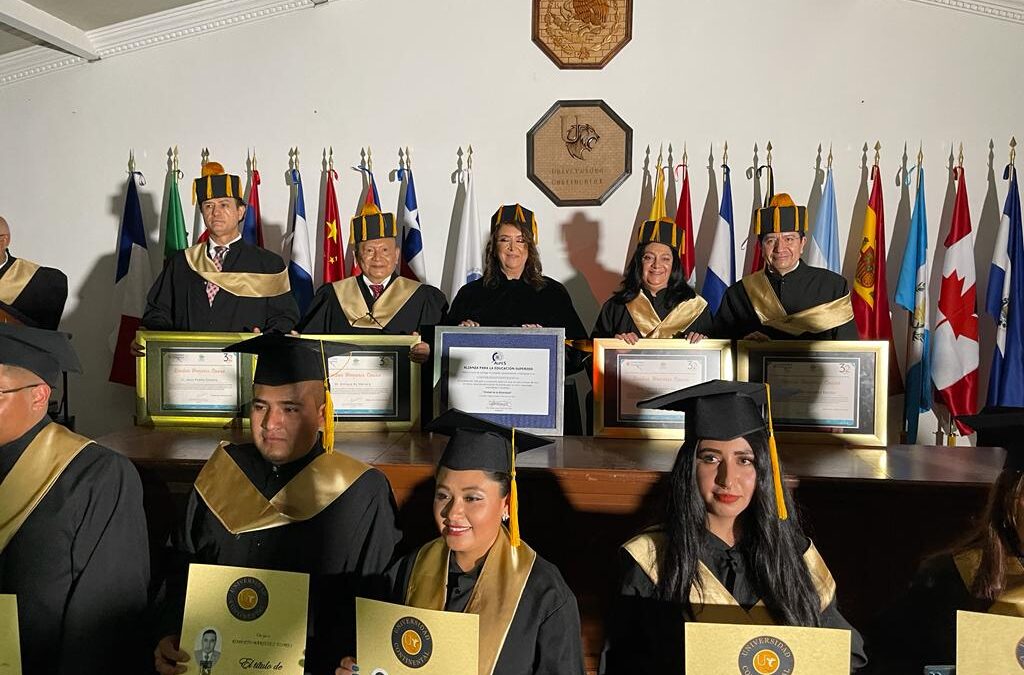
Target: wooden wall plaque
[{"x": 582, "y": 33}]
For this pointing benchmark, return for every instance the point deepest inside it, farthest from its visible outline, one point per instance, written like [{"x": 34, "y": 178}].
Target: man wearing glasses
[
  {"x": 29, "y": 293},
  {"x": 788, "y": 299}
]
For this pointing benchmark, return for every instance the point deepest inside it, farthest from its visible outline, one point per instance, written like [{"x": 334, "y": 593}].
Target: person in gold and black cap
[
  {"x": 288, "y": 501},
  {"x": 224, "y": 284},
  {"x": 729, "y": 537},
  {"x": 30, "y": 294},
  {"x": 655, "y": 301},
  {"x": 513, "y": 291},
  {"x": 788, "y": 299}
]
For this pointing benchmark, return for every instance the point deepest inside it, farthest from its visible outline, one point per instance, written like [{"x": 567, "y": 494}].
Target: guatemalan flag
[
  {"x": 296, "y": 249},
  {"x": 721, "y": 271},
  {"x": 413, "y": 264},
  {"x": 912, "y": 295},
  {"x": 1004, "y": 300},
  {"x": 823, "y": 248},
  {"x": 131, "y": 283}
]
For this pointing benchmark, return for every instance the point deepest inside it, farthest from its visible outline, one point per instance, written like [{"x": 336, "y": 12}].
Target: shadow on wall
[
  {"x": 860, "y": 207},
  {"x": 747, "y": 238},
  {"x": 643, "y": 211},
  {"x": 705, "y": 228},
  {"x": 592, "y": 283}
]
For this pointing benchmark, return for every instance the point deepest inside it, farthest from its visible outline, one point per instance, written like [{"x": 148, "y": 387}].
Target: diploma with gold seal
[
  {"x": 10, "y": 647},
  {"x": 240, "y": 620},
  {"x": 393, "y": 639}
]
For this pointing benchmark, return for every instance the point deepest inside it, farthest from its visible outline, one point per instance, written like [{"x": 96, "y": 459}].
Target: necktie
[
  {"x": 377, "y": 290},
  {"x": 218, "y": 261}
]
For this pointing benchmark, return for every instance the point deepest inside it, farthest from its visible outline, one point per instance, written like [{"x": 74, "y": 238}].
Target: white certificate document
[
  {"x": 818, "y": 393},
  {"x": 645, "y": 376},
  {"x": 364, "y": 384},
  {"x": 200, "y": 379},
  {"x": 499, "y": 381}
]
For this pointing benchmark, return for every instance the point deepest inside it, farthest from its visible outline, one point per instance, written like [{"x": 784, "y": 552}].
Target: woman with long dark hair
[
  {"x": 730, "y": 549},
  {"x": 654, "y": 300}
]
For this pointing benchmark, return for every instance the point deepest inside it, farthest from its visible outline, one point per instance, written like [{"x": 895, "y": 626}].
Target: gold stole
[
  {"x": 495, "y": 597},
  {"x": 771, "y": 313},
  {"x": 15, "y": 279},
  {"x": 352, "y": 302},
  {"x": 677, "y": 321},
  {"x": 241, "y": 284},
  {"x": 1011, "y": 601},
  {"x": 32, "y": 476},
  {"x": 716, "y": 604},
  {"x": 241, "y": 508}
]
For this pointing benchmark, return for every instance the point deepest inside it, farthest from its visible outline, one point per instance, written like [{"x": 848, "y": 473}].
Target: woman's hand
[
  {"x": 348, "y": 667},
  {"x": 532, "y": 325},
  {"x": 628, "y": 338},
  {"x": 167, "y": 656},
  {"x": 694, "y": 337},
  {"x": 419, "y": 352},
  {"x": 469, "y": 323}
]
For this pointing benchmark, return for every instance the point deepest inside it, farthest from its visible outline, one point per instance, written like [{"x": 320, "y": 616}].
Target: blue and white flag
[
  {"x": 721, "y": 271},
  {"x": 413, "y": 264},
  {"x": 469, "y": 256},
  {"x": 912, "y": 295},
  {"x": 823, "y": 248},
  {"x": 296, "y": 249},
  {"x": 1004, "y": 300}
]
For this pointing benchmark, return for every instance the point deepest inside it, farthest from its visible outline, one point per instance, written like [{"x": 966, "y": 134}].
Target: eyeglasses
[
  {"x": 506, "y": 241},
  {"x": 16, "y": 389}
]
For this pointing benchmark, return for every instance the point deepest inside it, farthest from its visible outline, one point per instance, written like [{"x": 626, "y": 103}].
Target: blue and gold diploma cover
[
  {"x": 240, "y": 620},
  {"x": 400, "y": 640},
  {"x": 728, "y": 649},
  {"x": 10, "y": 647},
  {"x": 989, "y": 643}
]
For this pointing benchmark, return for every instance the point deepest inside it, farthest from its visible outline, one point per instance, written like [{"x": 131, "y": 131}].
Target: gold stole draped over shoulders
[
  {"x": 771, "y": 313},
  {"x": 676, "y": 321},
  {"x": 241, "y": 284},
  {"x": 715, "y": 604},
  {"x": 353, "y": 304},
  {"x": 240, "y": 507},
  {"x": 1011, "y": 601},
  {"x": 32, "y": 476},
  {"x": 15, "y": 279},
  {"x": 495, "y": 597}
]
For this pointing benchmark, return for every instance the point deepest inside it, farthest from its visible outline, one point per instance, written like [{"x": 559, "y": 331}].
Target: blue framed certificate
[{"x": 511, "y": 376}]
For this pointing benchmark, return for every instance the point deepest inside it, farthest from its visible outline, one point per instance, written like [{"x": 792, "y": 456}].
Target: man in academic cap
[
  {"x": 344, "y": 538},
  {"x": 788, "y": 299},
  {"x": 73, "y": 542},
  {"x": 29, "y": 293},
  {"x": 224, "y": 284}
]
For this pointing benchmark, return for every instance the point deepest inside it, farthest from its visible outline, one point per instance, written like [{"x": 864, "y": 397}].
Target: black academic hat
[
  {"x": 514, "y": 214},
  {"x": 664, "y": 231},
  {"x": 721, "y": 410},
  {"x": 372, "y": 224},
  {"x": 47, "y": 353},
  {"x": 781, "y": 215},
  {"x": 215, "y": 183},
  {"x": 1000, "y": 427}
]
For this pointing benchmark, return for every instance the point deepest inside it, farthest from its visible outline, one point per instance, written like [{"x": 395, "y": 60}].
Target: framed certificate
[
  {"x": 10, "y": 646},
  {"x": 626, "y": 374},
  {"x": 186, "y": 380},
  {"x": 399, "y": 639},
  {"x": 728, "y": 649},
  {"x": 833, "y": 392},
  {"x": 511, "y": 376}
]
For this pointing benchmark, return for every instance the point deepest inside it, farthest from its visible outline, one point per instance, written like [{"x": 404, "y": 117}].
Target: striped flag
[
  {"x": 175, "y": 234},
  {"x": 658, "y": 209},
  {"x": 413, "y": 263},
  {"x": 721, "y": 271},
  {"x": 131, "y": 281},
  {"x": 1004, "y": 300},
  {"x": 955, "y": 356},
  {"x": 295, "y": 248},
  {"x": 252, "y": 226},
  {"x": 684, "y": 222},
  {"x": 823, "y": 248}
]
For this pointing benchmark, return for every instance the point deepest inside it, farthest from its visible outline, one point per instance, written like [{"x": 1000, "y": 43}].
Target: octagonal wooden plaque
[{"x": 582, "y": 33}]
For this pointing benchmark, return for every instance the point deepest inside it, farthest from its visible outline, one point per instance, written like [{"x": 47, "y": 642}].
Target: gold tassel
[
  {"x": 194, "y": 191},
  {"x": 513, "y": 500},
  {"x": 364, "y": 229},
  {"x": 227, "y": 186},
  {"x": 773, "y": 451},
  {"x": 209, "y": 187},
  {"x": 757, "y": 223},
  {"x": 534, "y": 225},
  {"x": 328, "y": 406},
  {"x": 777, "y": 219}
]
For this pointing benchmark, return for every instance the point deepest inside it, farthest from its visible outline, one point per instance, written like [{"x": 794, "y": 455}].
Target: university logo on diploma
[
  {"x": 10, "y": 647},
  {"x": 731, "y": 649},
  {"x": 395, "y": 639},
  {"x": 244, "y": 620}
]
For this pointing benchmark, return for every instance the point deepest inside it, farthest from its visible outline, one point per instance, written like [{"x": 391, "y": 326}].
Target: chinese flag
[
  {"x": 684, "y": 221},
  {"x": 334, "y": 248}
]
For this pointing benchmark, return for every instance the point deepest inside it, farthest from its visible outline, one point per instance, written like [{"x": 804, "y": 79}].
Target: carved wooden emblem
[{"x": 582, "y": 33}]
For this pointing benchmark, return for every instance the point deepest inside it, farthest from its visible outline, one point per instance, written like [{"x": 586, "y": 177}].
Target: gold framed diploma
[
  {"x": 831, "y": 392},
  {"x": 626, "y": 374},
  {"x": 244, "y": 620},
  {"x": 10, "y": 645},
  {"x": 728, "y": 649},
  {"x": 185, "y": 379},
  {"x": 393, "y": 639},
  {"x": 989, "y": 643}
]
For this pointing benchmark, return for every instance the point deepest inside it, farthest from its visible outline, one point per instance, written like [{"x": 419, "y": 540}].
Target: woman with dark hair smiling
[
  {"x": 730, "y": 549},
  {"x": 655, "y": 301}
]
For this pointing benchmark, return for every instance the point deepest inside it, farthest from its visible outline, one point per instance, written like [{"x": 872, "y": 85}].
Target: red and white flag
[{"x": 131, "y": 283}]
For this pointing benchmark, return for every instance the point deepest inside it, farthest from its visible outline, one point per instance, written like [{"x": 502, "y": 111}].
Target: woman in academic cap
[
  {"x": 730, "y": 549},
  {"x": 513, "y": 291},
  {"x": 654, "y": 300},
  {"x": 529, "y": 621}
]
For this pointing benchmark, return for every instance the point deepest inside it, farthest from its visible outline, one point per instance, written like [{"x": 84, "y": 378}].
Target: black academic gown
[
  {"x": 544, "y": 637},
  {"x": 615, "y": 317},
  {"x": 345, "y": 549},
  {"x": 646, "y": 634},
  {"x": 41, "y": 303},
  {"x": 513, "y": 303},
  {"x": 80, "y": 567},
  {"x": 800, "y": 289},
  {"x": 178, "y": 301},
  {"x": 425, "y": 307}
]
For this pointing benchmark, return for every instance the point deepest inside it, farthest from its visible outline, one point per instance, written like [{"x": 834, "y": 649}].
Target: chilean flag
[
  {"x": 131, "y": 282},
  {"x": 413, "y": 265}
]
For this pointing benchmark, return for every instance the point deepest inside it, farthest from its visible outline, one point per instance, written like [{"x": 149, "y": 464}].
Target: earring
[{"x": 504, "y": 518}]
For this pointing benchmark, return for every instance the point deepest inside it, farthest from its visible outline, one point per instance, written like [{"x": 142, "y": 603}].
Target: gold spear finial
[
  {"x": 829, "y": 165},
  {"x": 768, "y": 160},
  {"x": 878, "y": 151},
  {"x": 408, "y": 158},
  {"x": 960, "y": 156},
  {"x": 725, "y": 153},
  {"x": 1013, "y": 150}
]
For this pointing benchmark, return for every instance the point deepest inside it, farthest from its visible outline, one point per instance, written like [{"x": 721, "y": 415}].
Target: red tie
[
  {"x": 377, "y": 290},
  {"x": 218, "y": 261}
]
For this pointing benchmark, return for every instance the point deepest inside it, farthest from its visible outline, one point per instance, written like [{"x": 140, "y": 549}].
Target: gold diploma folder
[
  {"x": 240, "y": 620},
  {"x": 10, "y": 647},
  {"x": 400, "y": 640},
  {"x": 728, "y": 649},
  {"x": 989, "y": 643}
]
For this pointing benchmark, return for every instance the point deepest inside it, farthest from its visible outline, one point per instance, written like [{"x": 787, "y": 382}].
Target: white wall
[{"x": 436, "y": 75}]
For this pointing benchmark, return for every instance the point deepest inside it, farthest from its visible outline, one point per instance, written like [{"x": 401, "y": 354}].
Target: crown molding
[
  {"x": 148, "y": 31},
  {"x": 1005, "y": 10}
]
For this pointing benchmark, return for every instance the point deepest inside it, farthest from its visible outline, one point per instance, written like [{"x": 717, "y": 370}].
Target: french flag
[
  {"x": 721, "y": 271},
  {"x": 131, "y": 283},
  {"x": 296, "y": 246},
  {"x": 413, "y": 265}
]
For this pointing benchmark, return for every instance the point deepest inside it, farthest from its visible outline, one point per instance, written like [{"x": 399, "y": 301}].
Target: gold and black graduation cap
[
  {"x": 720, "y": 410},
  {"x": 372, "y": 224},
  {"x": 514, "y": 214},
  {"x": 482, "y": 445},
  {"x": 781, "y": 215},
  {"x": 47, "y": 353},
  {"x": 215, "y": 183},
  {"x": 1000, "y": 427},
  {"x": 664, "y": 231}
]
